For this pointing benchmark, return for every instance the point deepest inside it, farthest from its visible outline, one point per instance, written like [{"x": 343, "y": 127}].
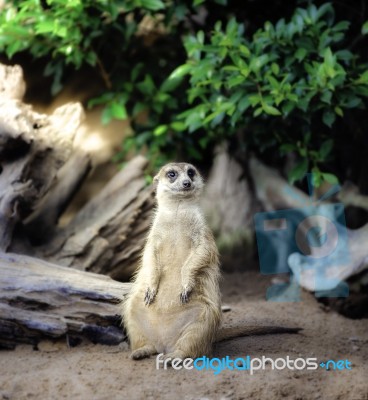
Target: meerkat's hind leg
[
  {"x": 195, "y": 342},
  {"x": 140, "y": 345},
  {"x": 143, "y": 352},
  {"x": 178, "y": 354}
]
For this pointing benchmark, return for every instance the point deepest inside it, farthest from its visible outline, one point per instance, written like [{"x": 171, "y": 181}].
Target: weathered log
[
  {"x": 41, "y": 300},
  {"x": 42, "y": 222},
  {"x": 12, "y": 85},
  {"x": 108, "y": 233},
  {"x": 41, "y": 169},
  {"x": 33, "y": 147},
  {"x": 350, "y": 196},
  {"x": 229, "y": 205}
]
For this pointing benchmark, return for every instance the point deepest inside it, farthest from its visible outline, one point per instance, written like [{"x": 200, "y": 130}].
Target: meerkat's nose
[{"x": 187, "y": 184}]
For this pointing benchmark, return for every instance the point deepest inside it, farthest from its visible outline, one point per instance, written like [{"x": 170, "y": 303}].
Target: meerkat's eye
[
  {"x": 171, "y": 174},
  {"x": 191, "y": 173}
]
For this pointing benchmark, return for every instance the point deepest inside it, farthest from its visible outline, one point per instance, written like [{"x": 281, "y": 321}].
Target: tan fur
[{"x": 174, "y": 306}]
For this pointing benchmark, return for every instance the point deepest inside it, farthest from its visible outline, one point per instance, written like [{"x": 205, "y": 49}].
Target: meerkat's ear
[{"x": 156, "y": 178}]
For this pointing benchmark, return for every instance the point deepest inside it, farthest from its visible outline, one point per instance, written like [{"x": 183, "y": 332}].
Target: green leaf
[
  {"x": 45, "y": 26},
  {"x": 243, "y": 104},
  {"x": 329, "y": 58},
  {"x": 316, "y": 177},
  {"x": 61, "y": 31},
  {"x": 160, "y": 130},
  {"x": 245, "y": 72},
  {"x": 299, "y": 171},
  {"x": 326, "y": 96},
  {"x": 216, "y": 117},
  {"x": 300, "y": 54},
  {"x": 258, "y": 62},
  {"x": 180, "y": 71},
  {"x": 328, "y": 118},
  {"x": 330, "y": 178},
  {"x": 138, "y": 108},
  {"x": 270, "y": 109},
  {"x": 254, "y": 99},
  {"x": 287, "y": 108},
  {"x": 302, "y": 151},
  {"x": 286, "y": 148},
  {"x": 118, "y": 111},
  {"x": 352, "y": 102},
  {"x": 275, "y": 69},
  {"x": 365, "y": 28},
  {"x": 341, "y": 26},
  {"x": 193, "y": 120},
  {"x": 244, "y": 50},
  {"x": 325, "y": 8},
  {"x": 170, "y": 85},
  {"x": 235, "y": 81},
  {"x": 105, "y": 98},
  {"x": 13, "y": 48},
  {"x": 153, "y": 5},
  {"x": 326, "y": 148},
  {"x": 230, "y": 68},
  {"x": 257, "y": 112},
  {"x": 339, "y": 111},
  {"x": 147, "y": 86},
  {"x": 345, "y": 55},
  {"x": 194, "y": 153},
  {"x": 91, "y": 58},
  {"x": 203, "y": 142},
  {"x": 178, "y": 126},
  {"x": 106, "y": 116},
  {"x": 363, "y": 78}
]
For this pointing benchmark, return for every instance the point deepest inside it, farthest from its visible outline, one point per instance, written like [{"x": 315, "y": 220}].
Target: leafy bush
[
  {"x": 287, "y": 80},
  {"x": 110, "y": 36},
  {"x": 189, "y": 88}
]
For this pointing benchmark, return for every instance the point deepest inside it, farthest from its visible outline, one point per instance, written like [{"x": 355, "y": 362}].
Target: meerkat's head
[{"x": 178, "y": 181}]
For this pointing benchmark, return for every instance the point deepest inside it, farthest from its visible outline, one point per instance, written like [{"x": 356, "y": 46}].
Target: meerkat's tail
[{"x": 238, "y": 331}]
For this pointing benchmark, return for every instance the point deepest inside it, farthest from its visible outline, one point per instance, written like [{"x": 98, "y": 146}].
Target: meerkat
[{"x": 174, "y": 306}]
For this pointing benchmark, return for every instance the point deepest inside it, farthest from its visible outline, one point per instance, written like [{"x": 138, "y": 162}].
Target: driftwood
[
  {"x": 276, "y": 194},
  {"x": 229, "y": 205},
  {"x": 350, "y": 196},
  {"x": 41, "y": 169},
  {"x": 107, "y": 235},
  {"x": 56, "y": 293},
  {"x": 41, "y": 300},
  {"x": 32, "y": 149}
]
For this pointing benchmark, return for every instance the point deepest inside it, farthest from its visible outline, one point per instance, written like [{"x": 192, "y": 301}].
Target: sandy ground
[{"x": 100, "y": 372}]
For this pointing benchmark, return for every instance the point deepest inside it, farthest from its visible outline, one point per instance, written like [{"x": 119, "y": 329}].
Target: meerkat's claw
[
  {"x": 184, "y": 296},
  {"x": 149, "y": 296}
]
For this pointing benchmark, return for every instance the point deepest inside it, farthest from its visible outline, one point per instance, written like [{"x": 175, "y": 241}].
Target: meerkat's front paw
[
  {"x": 184, "y": 295},
  {"x": 149, "y": 296}
]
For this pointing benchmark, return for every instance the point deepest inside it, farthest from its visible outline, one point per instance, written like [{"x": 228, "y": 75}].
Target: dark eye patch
[
  {"x": 191, "y": 173},
  {"x": 171, "y": 175}
]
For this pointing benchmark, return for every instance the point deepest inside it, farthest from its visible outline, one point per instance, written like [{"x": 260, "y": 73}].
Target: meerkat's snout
[{"x": 187, "y": 185}]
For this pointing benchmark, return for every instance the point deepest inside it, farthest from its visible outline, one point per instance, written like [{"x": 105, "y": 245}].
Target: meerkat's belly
[
  {"x": 173, "y": 256},
  {"x": 165, "y": 320},
  {"x": 164, "y": 328}
]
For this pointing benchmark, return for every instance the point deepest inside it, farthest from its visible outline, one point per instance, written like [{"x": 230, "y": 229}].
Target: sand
[{"x": 98, "y": 372}]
